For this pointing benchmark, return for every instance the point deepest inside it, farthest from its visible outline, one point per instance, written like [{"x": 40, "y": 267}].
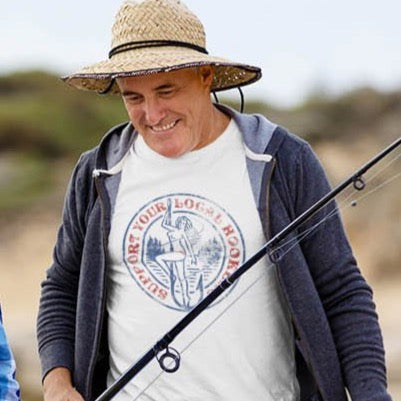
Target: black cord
[
  {"x": 242, "y": 105},
  {"x": 242, "y": 99},
  {"x": 216, "y": 99},
  {"x": 108, "y": 87},
  {"x": 153, "y": 43}
]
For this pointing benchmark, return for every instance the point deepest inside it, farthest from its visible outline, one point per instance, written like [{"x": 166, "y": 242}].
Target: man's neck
[{"x": 216, "y": 125}]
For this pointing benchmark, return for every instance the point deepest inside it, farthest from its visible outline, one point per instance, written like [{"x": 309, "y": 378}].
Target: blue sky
[{"x": 302, "y": 46}]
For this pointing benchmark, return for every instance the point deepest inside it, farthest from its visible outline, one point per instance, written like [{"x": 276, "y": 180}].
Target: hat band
[{"x": 153, "y": 43}]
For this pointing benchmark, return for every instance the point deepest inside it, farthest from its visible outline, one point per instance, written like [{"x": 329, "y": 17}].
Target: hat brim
[{"x": 100, "y": 77}]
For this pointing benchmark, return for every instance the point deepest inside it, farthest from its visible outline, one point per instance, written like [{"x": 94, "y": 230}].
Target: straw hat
[{"x": 152, "y": 36}]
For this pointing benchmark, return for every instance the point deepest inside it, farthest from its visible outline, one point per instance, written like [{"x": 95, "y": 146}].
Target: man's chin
[
  {"x": 172, "y": 154},
  {"x": 169, "y": 151}
]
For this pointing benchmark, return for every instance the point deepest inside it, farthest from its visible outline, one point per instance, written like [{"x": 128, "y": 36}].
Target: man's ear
[{"x": 206, "y": 73}]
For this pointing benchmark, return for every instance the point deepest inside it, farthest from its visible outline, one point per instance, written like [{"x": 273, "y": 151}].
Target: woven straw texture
[{"x": 168, "y": 20}]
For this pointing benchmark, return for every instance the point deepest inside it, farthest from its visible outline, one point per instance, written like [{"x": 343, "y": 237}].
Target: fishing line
[
  {"x": 391, "y": 161},
  {"x": 342, "y": 204},
  {"x": 303, "y": 234},
  {"x": 211, "y": 323},
  {"x": 359, "y": 184},
  {"x": 375, "y": 189},
  {"x": 149, "y": 385},
  {"x": 294, "y": 242}
]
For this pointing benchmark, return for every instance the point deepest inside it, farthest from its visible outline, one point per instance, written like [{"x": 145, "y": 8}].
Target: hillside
[{"x": 43, "y": 121}]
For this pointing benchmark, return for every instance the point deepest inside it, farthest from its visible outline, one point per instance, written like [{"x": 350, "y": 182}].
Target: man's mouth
[{"x": 165, "y": 127}]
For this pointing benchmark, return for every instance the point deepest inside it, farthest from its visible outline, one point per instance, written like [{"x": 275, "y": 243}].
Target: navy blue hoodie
[{"x": 339, "y": 343}]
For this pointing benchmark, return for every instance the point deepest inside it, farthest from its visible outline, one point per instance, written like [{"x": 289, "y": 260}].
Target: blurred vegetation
[
  {"x": 42, "y": 120},
  {"x": 40, "y": 114}
]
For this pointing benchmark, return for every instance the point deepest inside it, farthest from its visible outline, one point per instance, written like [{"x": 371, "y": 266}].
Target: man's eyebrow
[
  {"x": 129, "y": 93},
  {"x": 165, "y": 86}
]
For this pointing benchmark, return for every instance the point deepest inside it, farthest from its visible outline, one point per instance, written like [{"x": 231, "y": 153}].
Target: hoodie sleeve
[
  {"x": 345, "y": 295},
  {"x": 57, "y": 309}
]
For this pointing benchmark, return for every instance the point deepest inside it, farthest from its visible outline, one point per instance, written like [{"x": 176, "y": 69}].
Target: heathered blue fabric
[
  {"x": 9, "y": 388},
  {"x": 331, "y": 305}
]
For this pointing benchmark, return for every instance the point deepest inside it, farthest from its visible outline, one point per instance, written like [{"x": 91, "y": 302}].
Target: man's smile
[{"x": 165, "y": 127}]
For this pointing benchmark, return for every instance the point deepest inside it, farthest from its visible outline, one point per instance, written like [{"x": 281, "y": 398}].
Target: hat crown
[
  {"x": 146, "y": 20},
  {"x": 156, "y": 36}
]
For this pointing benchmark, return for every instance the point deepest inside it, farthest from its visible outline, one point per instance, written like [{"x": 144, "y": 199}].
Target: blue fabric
[
  {"x": 337, "y": 330},
  {"x": 9, "y": 388}
]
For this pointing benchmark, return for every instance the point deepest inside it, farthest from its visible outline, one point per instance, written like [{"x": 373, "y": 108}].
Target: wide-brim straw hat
[{"x": 153, "y": 36}]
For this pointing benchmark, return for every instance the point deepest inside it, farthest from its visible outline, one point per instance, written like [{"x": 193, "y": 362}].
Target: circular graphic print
[{"x": 179, "y": 247}]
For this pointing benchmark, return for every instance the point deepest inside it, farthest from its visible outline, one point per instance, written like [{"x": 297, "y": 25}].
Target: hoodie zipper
[
  {"x": 97, "y": 176},
  {"x": 278, "y": 275},
  {"x": 98, "y": 185}
]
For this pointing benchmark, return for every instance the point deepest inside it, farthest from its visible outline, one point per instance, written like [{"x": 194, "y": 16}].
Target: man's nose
[{"x": 154, "y": 111}]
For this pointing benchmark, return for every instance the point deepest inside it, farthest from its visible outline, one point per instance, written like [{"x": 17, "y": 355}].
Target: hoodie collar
[{"x": 114, "y": 147}]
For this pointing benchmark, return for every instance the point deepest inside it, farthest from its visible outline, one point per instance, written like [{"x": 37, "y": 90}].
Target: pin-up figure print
[
  {"x": 180, "y": 257},
  {"x": 179, "y": 247}
]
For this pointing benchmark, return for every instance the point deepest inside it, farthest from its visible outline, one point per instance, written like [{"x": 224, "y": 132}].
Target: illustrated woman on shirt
[{"x": 181, "y": 256}]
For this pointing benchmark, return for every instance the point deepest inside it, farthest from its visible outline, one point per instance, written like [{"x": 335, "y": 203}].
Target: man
[
  {"x": 9, "y": 388},
  {"x": 172, "y": 203}
]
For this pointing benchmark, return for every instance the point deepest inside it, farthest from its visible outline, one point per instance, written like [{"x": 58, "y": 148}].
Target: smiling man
[
  {"x": 172, "y": 110},
  {"x": 170, "y": 204}
]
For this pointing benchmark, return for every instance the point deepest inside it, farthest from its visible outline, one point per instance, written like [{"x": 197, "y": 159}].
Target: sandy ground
[{"x": 26, "y": 242}]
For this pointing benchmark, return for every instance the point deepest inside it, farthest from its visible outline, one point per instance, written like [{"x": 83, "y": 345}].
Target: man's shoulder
[
  {"x": 112, "y": 143},
  {"x": 287, "y": 141},
  {"x": 278, "y": 139},
  {"x": 263, "y": 135}
]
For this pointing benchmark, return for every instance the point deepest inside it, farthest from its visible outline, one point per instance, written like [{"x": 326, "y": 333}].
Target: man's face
[{"x": 170, "y": 110}]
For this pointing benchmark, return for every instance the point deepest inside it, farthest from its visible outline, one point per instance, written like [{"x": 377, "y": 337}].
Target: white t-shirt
[{"x": 179, "y": 227}]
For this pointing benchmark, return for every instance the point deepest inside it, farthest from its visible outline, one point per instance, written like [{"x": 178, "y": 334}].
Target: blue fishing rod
[{"x": 167, "y": 357}]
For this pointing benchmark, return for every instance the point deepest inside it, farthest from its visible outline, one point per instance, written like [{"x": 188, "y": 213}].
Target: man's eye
[
  {"x": 134, "y": 99},
  {"x": 166, "y": 93}
]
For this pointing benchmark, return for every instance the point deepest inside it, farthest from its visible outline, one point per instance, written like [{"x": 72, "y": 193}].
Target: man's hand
[{"x": 57, "y": 386}]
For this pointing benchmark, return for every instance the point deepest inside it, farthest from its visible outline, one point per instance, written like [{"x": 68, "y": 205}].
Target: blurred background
[{"x": 332, "y": 74}]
